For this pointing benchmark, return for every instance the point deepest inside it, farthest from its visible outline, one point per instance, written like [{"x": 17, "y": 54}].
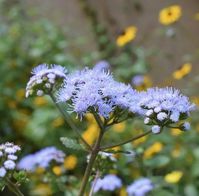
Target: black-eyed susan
[
  {"x": 128, "y": 35},
  {"x": 183, "y": 71},
  {"x": 170, "y": 14}
]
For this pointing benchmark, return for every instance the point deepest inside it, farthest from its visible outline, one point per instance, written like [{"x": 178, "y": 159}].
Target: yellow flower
[
  {"x": 58, "y": 122},
  {"x": 91, "y": 133},
  {"x": 175, "y": 131},
  {"x": 173, "y": 177},
  {"x": 120, "y": 127},
  {"x": 40, "y": 170},
  {"x": 123, "y": 192},
  {"x": 170, "y": 14},
  {"x": 128, "y": 35},
  {"x": 182, "y": 71},
  {"x": 42, "y": 189},
  {"x": 153, "y": 149},
  {"x": 70, "y": 162},
  {"x": 195, "y": 100},
  {"x": 176, "y": 151},
  {"x": 40, "y": 101},
  {"x": 57, "y": 170}
]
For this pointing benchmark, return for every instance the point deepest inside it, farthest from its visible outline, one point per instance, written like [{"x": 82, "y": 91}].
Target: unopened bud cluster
[
  {"x": 44, "y": 79},
  {"x": 8, "y": 158}
]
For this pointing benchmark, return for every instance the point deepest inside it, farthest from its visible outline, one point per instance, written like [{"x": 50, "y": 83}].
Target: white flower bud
[
  {"x": 40, "y": 93},
  {"x": 9, "y": 164},
  {"x": 155, "y": 129},
  {"x": 2, "y": 172}
]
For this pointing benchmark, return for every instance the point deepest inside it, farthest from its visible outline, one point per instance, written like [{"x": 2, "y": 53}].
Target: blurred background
[{"x": 144, "y": 44}]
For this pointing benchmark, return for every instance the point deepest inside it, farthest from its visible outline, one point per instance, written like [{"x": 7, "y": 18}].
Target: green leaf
[{"x": 71, "y": 143}]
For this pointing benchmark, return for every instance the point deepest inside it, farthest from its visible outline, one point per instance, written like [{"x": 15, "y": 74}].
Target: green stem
[
  {"x": 89, "y": 167},
  {"x": 69, "y": 121},
  {"x": 125, "y": 142},
  {"x": 13, "y": 188}
]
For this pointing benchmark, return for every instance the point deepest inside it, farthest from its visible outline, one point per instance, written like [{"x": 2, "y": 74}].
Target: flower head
[
  {"x": 93, "y": 89},
  {"x": 44, "y": 78},
  {"x": 140, "y": 187},
  {"x": 128, "y": 35},
  {"x": 165, "y": 106},
  {"x": 108, "y": 183},
  {"x": 8, "y": 157},
  {"x": 42, "y": 159},
  {"x": 102, "y": 65},
  {"x": 170, "y": 14}
]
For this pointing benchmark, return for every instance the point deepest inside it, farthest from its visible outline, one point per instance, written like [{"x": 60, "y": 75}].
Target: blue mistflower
[
  {"x": 140, "y": 187},
  {"x": 94, "y": 89},
  {"x": 108, "y": 183},
  {"x": 42, "y": 158},
  {"x": 165, "y": 105},
  {"x": 44, "y": 78}
]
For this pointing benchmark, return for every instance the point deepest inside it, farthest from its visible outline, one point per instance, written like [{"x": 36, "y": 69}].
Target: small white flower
[
  {"x": 48, "y": 85},
  {"x": 186, "y": 126},
  {"x": 12, "y": 157},
  {"x": 39, "y": 81},
  {"x": 161, "y": 116},
  {"x": 10, "y": 150},
  {"x": 1, "y": 153},
  {"x": 52, "y": 81},
  {"x": 149, "y": 112},
  {"x": 40, "y": 93},
  {"x": 155, "y": 129},
  {"x": 9, "y": 164},
  {"x": 2, "y": 172},
  {"x": 157, "y": 109},
  {"x": 146, "y": 121},
  {"x": 51, "y": 76}
]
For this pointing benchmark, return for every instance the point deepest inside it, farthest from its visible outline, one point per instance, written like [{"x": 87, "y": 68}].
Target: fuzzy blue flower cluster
[
  {"x": 8, "y": 158},
  {"x": 95, "y": 89},
  {"x": 140, "y": 187},
  {"x": 42, "y": 158},
  {"x": 110, "y": 182},
  {"x": 44, "y": 78},
  {"x": 164, "y": 106}
]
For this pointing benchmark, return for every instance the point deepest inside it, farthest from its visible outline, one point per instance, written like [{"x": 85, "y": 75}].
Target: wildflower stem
[
  {"x": 69, "y": 121},
  {"x": 93, "y": 155},
  {"x": 94, "y": 183},
  {"x": 125, "y": 142},
  {"x": 12, "y": 187}
]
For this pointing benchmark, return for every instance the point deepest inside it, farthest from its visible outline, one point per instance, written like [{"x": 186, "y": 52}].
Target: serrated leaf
[{"x": 71, "y": 143}]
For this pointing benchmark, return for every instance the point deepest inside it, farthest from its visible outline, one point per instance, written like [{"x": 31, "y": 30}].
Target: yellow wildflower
[
  {"x": 170, "y": 14},
  {"x": 57, "y": 170},
  {"x": 70, "y": 162},
  {"x": 176, "y": 151},
  {"x": 91, "y": 133},
  {"x": 42, "y": 189},
  {"x": 120, "y": 127},
  {"x": 40, "y": 101},
  {"x": 123, "y": 192},
  {"x": 128, "y": 35},
  {"x": 173, "y": 177},
  {"x": 153, "y": 149},
  {"x": 58, "y": 122},
  {"x": 195, "y": 100},
  {"x": 139, "y": 141},
  {"x": 40, "y": 170},
  {"x": 175, "y": 131},
  {"x": 183, "y": 71}
]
